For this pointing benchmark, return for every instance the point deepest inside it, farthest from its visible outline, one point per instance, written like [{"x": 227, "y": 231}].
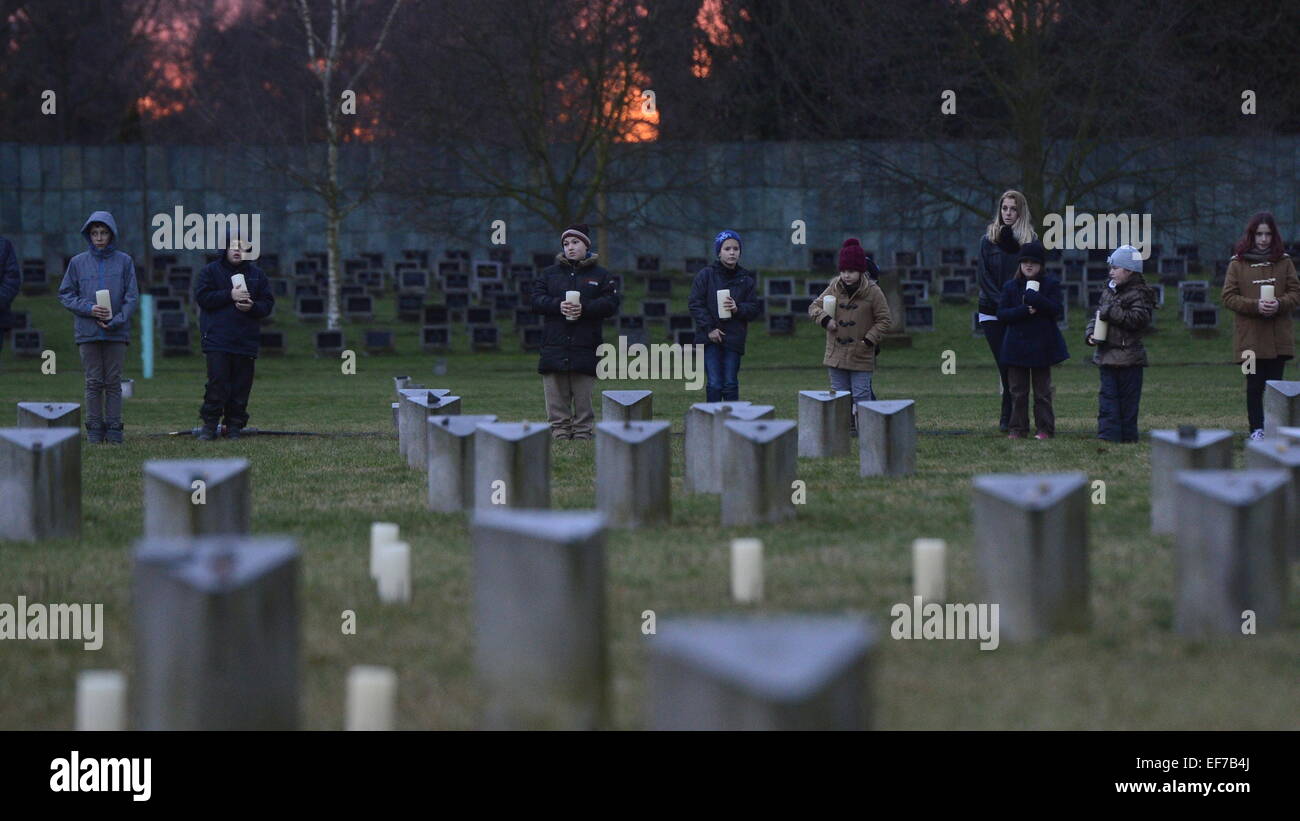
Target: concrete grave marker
[
  {"x": 700, "y": 471},
  {"x": 216, "y": 633},
  {"x": 1031, "y": 551},
  {"x": 413, "y": 425},
  {"x": 174, "y": 507},
  {"x": 405, "y": 421},
  {"x": 517, "y": 455},
  {"x": 887, "y": 437},
  {"x": 1281, "y": 405},
  {"x": 539, "y": 617},
  {"x": 1185, "y": 449},
  {"x": 49, "y": 415},
  {"x": 1281, "y": 454},
  {"x": 451, "y": 461},
  {"x": 760, "y": 472},
  {"x": 824, "y": 424},
  {"x": 626, "y": 406},
  {"x": 40, "y": 484},
  {"x": 632, "y": 473},
  {"x": 761, "y": 673}
]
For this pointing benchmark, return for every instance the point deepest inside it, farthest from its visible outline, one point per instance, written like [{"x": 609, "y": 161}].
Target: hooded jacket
[
  {"x": 861, "y": 317},
  {"x": 10, "y": 281},
  {"x": 703, "y": 304},
  {"x": 1270, "y": 337},
  {"x": 997, "y": 263},
  {"x": 570, "y": 345},
  {"x": 225, "y": 328},
  {"x": 94, "y": 270},
  {"x": 1127, "y": 311},
  {"x": 1032, "y": 340}
]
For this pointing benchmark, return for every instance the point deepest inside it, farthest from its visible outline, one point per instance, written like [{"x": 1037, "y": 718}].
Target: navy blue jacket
[
  {"x": 10, "y": 281},
  {"x": 225, "y": 328},
  {"x": 703, "y": 304},
  {"x": 571, "y": 345},
  {"x": 1032, "y": 340}
]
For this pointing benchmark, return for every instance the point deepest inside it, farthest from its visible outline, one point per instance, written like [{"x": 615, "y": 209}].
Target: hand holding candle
[
  {"x": 1266, "y": 293},
  {"x": 573, "y": 298},
  {"x": 103, "y": 300},
  {"x": 1033, "y": 285},
  {"x": 747, "y": 570},
  {"x": 828, "y": 306},
  {"x": 723, "y": 294},
  {"x": 1100, "y": 329}
]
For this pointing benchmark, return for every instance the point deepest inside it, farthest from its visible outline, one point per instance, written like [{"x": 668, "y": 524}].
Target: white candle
[
  {"x": 372, "y": 693},
  {"x": 103, "y": 300},
  {"x": 381, "y": 533},
  {"x": 394, "y": 572},
  {"x": 1032, "y": 285},
  {"x": 828, "y": 304},
  {"x": 101, "y": 700},
  {"x": 928, "y": 577},
  {"x": 1266, "y": 292},
  {"x": 237, "y": 280},
  {"x": 747, "y": 570},
  {"x": 723, "y": 293},
  {"x": 1100, "y": 328},
  {"x": 574, "y": 297}
]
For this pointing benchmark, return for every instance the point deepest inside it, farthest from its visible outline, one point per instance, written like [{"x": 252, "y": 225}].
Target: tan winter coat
[
  {"x": 1269, "y": 337},
  {"x": 861, "y": 319}
]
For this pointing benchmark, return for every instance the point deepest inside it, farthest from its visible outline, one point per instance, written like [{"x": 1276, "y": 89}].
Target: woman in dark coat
[
  {"x": 1030, "y": 308},
  {"x": 998, "y": 260}
]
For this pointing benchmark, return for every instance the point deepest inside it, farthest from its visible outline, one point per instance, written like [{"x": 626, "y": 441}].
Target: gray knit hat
[{"x": 1128, "y": 258}]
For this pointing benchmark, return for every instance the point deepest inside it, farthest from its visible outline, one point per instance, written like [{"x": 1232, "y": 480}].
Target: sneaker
[
  {"x": 1257, "y": 433},
  {"x": 94, "y": 433},
  {"x": 207, "y": 433},
  {"x": 1040, "y": 436}
]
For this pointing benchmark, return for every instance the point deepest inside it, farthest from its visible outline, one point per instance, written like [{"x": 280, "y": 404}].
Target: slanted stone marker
[
  {"x": 887, "y": 437},
  {"x": 1289, "y": 433},
  {"x": 1031, "y": 551},
  {"x": 413, "y": 427},
  {"x": 700, "y": 471},
  {"x": 539, "y": 617},
  {"x": 401, "y": 383},
  {"x": 175, "y": 506},
  {"x": 1230, "y": 544},
  {"x": 1281, "y": 405},
  {"x": 632, "y": 473},
  {"x": 760, "y": 673},
  {"x": 451, "y": 461},
  {"x": 1281, "y": 454},
  {"x": 732, "y": 413},
  {"x": 49, "y": 415},
  {"x": 1187, "y": 448},
  {"x": 761, "y": 468},
  {"x": 626, "y": 406},
  {"x": 405, "y": 421},
  {"x": 512, "y": 465},
  {"x": 824, "y": 424},
  {"x": 216, "y": 634},
  {"x": 40, "y": 484}
]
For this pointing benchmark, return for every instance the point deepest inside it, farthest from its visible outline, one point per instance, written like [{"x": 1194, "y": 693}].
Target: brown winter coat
[
  {"x": 1269, "y": 337},
  {"x": 1127, "y": 309},
  {"x": 861, "y": 319}
]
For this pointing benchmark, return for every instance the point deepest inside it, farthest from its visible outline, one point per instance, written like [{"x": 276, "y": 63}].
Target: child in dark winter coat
[
  {"x": 101, "y": 332},
  {"x": 1126, "y": 307},
  {"x": 723, "y": 337},
  {"x": 233, "y": 296},
  {"x": 1030, "y": 308}
]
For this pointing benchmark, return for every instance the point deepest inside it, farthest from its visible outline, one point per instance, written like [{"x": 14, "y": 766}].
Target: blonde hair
[{"x": 1023, "y": 227}]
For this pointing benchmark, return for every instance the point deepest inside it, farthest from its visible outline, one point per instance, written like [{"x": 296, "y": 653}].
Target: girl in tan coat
[
  {"x": 1261, "y": 325},
  {"x": 854, "y": 326}
]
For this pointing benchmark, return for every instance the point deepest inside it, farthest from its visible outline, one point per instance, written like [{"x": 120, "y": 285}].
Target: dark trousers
[
  {"x": 230, "y": 381},
  {"x": 1265, "y": 369},
  {"x": 721, "y": 374},
  {"x": 1117, "y": 404},
  {"x": 1020, "y": 380},
  {"x": 993, "y": 333}
]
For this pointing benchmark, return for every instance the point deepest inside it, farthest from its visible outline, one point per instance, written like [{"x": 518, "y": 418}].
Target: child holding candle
[
  {"x": 1262, "y": 320},
  {"x": 1032, "y": 343},
  {"x": 101, "y": 332},
  {"x": 234, "y": 296},
  {"x": 10, "y": 283},
  {"x": 723, "y": 337},
  {"x": 855, "y": 314},
  {"x": 1126, "y": 308},
  {"x": 575, "y": 295}
]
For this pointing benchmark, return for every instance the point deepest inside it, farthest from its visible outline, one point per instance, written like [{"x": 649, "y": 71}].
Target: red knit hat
[{"x": 852, "y": 257}]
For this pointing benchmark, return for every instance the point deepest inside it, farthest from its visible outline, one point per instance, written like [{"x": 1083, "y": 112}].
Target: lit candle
[
  {"x": 828, "y": 304},
  {"x": 394, "y": 572},
  {"x": 238, "y": 281},
  {"x": 1100, "y": 328},
  {"x": 1266, "y": 292},
  {"x": 723, "y": 293},
  {"x": 381, "y": 533},
  {"x": 101, "y": 700},
  {"x": 573, "y": 297},
  {"x": 928, "y": 569},
  {"x": 1032, "y": 285},
  {"x": 372, "y": 692},
  {"x": 747, "y": 570},
  {"x": 103, "y": 300}
]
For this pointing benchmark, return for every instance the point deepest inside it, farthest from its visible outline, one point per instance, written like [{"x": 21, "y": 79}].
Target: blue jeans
[
  {"x": 1117, "y": 403},
  {"x": 721, "y": 374},
  {"x": 856, "y": 382}
]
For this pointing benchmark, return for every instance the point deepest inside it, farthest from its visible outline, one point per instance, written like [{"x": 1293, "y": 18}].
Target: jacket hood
[
  {"x": 107, "y": 219},
  {"x": 586, "y": 261}
]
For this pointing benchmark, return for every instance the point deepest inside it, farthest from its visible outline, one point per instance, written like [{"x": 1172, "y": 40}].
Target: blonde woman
[{"x": 998, "y": 262}]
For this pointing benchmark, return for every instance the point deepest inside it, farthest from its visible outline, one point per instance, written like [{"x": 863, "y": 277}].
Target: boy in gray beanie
[{"x": 1126, "y": 306}]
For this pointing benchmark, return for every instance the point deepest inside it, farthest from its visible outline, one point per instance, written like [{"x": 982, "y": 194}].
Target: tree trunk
[{"x": 333, "y": 222}]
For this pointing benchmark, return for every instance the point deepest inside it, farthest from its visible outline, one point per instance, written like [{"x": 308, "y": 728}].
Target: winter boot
[
  {"x": 113, "y": 433},
  {"x": 207, "y": 433},
  {"x": 94, "y": 433}
]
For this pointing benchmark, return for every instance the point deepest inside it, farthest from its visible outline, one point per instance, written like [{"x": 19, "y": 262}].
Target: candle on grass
[
  {"x": 394, "y": 573},
  {"x": 747, "y": 570},
  {"x": 371, "y": 698},
  {"x": 101, "y": 700},
  {"x": 928, "y": 572},
  {"x": 723, "y": 293},
  {"x": 381, "y": 533}
]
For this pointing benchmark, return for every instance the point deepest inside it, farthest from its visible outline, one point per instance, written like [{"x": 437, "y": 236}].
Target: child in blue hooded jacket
[
  {"x": 1031, "y": 306},
  {"x": 101, "y": 333}
]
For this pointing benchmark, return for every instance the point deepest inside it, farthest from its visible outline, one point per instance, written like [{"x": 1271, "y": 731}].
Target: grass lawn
[{"x": 849, "y": 548}]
